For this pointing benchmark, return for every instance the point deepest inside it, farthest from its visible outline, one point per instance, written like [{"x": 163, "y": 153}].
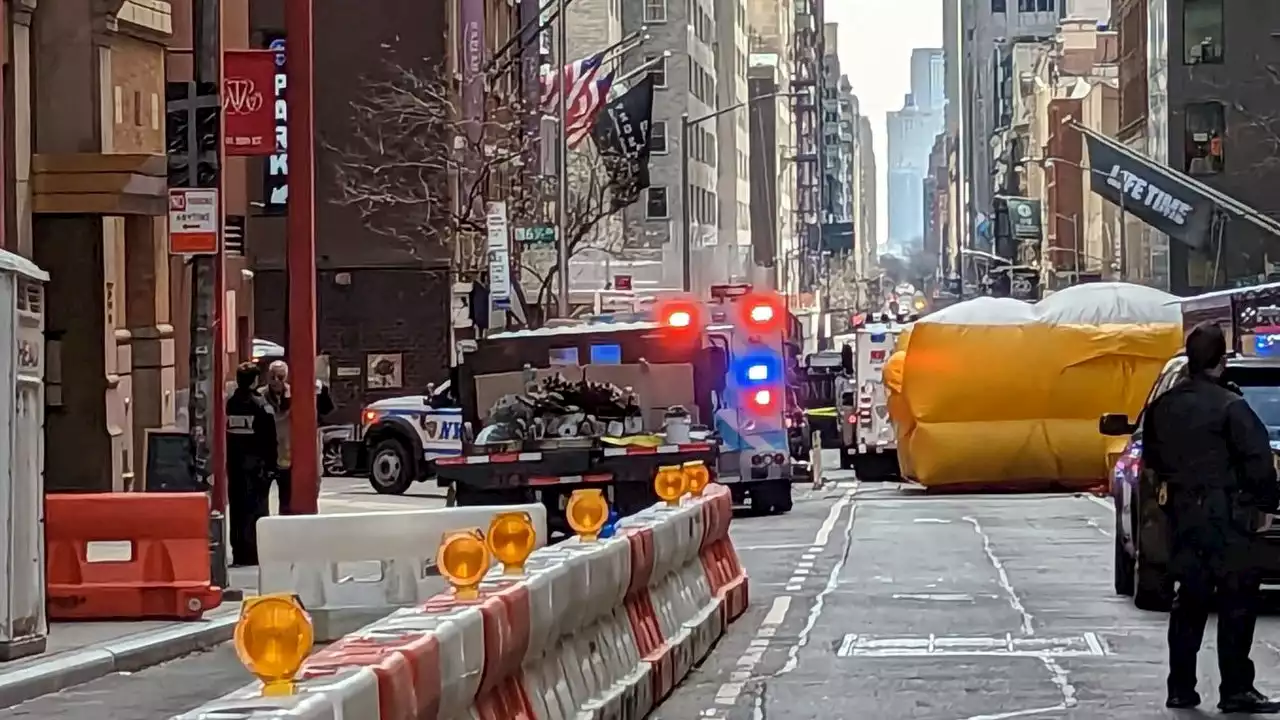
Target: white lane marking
[
  {"x": 729, "y": 692},
  {"x": 1002, "y": 577},
  {"x": 1056, "y": 672},
  {"x": 934, "y": 521},
  {"x": 820, "y": 602},
  {"x": 824, "y": 531},
  {"x": 759, "y": 548},
  {"x": 1106, "y": 503},
  {"x": 940, "y": 597},
  {"x": 1020, "y": 713}
]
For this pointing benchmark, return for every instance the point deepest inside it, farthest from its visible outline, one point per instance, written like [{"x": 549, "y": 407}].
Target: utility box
[{"x": 24, "y": 626}]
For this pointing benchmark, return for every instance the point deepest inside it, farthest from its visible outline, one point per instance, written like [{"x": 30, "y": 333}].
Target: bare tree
[
  {"x": 594, "y": 223},
  {"x": 410, "y": 142}
]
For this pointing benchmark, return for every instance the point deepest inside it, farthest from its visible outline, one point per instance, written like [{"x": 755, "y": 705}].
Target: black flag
[{"x": 622, "y": 132}]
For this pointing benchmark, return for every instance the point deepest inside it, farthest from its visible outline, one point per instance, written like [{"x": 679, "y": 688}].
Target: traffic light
[{"x": 192, "y": 112}]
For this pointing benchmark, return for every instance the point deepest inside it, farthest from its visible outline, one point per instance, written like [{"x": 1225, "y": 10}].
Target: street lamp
[
  {"x": 1120, "y": 235},
  {"x": 686, "y": 125}
]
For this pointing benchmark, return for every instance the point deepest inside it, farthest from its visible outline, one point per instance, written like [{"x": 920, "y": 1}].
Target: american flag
[
  {"x": 581, "y": 118},
  {"x": 577, "y": 76}
]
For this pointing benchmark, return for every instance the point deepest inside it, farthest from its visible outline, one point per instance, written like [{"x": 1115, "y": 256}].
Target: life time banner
[{"x": 1159, "y": 200}]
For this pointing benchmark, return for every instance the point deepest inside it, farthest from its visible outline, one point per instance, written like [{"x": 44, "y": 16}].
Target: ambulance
[{"x": 868, "y": 441}]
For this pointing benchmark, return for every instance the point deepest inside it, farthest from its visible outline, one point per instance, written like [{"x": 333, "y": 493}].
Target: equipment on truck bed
[{"x": 602, "y": 405}]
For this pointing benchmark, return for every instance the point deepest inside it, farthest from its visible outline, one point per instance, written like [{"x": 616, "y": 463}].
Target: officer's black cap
[
  {"x": 247, "y": 375},
  {"x": 1206, "y": 346}
]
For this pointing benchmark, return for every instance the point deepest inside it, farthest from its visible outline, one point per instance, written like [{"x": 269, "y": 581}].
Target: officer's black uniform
[
  {"x": 251, "y": 449},
  {"x": 1211, "y": 452}
]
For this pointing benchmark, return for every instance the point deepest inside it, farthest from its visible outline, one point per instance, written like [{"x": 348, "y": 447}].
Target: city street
[{"x": 869, "y": 602}]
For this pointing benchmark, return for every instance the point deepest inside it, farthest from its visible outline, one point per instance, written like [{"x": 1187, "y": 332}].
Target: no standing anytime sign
[{"x": 193, "y": 221}]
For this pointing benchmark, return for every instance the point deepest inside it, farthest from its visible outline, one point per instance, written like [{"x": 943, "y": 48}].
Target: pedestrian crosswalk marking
[{"x": 865, "y": 646}]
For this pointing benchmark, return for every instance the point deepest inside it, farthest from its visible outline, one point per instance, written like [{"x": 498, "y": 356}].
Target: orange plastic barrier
[{"x": 126, "y": 556}]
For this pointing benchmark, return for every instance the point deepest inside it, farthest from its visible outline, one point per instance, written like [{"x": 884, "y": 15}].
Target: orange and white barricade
[
  {"x": 590, "y": 628},
  {"x": 351, "y": 569}
]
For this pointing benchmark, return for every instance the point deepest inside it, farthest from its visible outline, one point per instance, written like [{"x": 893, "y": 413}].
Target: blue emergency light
[{"x": 758, "y": 369}]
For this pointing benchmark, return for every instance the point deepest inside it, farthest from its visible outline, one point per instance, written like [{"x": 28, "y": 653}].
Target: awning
[{"x": 1172, "y": 202}]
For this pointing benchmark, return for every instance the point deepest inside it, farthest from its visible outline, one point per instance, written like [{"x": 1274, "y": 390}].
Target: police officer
[
  {"x": 251, "y": 447},
  {"x": 1215, "y": 477}
]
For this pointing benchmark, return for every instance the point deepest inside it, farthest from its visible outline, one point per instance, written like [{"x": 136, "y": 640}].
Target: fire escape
[{"x": 807, "y": 102}]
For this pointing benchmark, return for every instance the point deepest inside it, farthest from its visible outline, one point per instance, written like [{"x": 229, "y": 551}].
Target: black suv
[{"x": 1141, "y": 543}]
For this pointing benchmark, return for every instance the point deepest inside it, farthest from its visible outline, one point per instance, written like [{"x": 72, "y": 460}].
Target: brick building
[
  {"x": 378, "y": 298},
  {"x": 1202, "y": 99}
]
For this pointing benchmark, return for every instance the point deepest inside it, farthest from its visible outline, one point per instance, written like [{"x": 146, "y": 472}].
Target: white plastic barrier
[
  {"x": 351, "y": 569},
  {"x": 589, "y": 631},
  {"x": 352, "y": 693}
]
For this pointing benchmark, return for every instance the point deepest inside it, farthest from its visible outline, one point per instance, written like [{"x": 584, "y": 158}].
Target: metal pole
[
  {"x": 303, "y": 432},
  {"x": 1124, "y": 244},
  {"x": 204, "y": 400},
  {"x": 686, "y": 236},
  {"x": 562, "y": 203}
]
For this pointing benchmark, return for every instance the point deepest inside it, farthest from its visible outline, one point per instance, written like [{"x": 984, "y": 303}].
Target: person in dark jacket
[
  {"x": 1215, "y": 478},
  {"x": 251, "y": 447}
]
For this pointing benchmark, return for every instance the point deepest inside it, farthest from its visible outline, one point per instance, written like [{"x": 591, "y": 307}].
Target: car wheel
[
  {"x": 1152, "y": 590},
  {"x": 1124, "y": 566},
  {"x": 390, "y": 468},
  {"x": 331, "y": 461},
  {"x": 846, "y": 460}
]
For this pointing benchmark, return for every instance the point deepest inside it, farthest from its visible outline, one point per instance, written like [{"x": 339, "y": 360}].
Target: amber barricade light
[
  {"x": 272, "y": 639},
  {"x": 670, "y": 484},
  {"x": 587, "y": 512},
  {"x": 696, "y": 476},
  {"x": 512, "y": 539},
  {"x": 463, "y": 559}
]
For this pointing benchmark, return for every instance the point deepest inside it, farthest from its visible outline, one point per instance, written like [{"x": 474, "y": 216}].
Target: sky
[{"x": 875, "y": 41}]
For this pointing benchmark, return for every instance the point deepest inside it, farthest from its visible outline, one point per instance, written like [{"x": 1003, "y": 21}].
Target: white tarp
[{"x": 1088, "y": 304}]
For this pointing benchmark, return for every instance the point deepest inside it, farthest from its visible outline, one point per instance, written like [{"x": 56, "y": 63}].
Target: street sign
[
  {"x": 536, "y": 235},
  {"x": 622, "y": 282},
  {"x": 499, "y": 255},
  {"x": 193, "y": 221}
]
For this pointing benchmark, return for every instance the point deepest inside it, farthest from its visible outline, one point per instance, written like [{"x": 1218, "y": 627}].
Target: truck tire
[
  {"x": 846, "y": 460},
  {"x": 390, "y": 468}
]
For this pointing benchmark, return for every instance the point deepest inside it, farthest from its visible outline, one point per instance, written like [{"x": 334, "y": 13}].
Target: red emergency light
[
  {"x": 762, "y": 312},
  {"x": 680, "y": 317},
  {"x": 763, "y": 399}
]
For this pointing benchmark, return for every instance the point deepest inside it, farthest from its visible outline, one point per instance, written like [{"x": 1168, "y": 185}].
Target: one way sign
[{"x": 193, "y": 221}]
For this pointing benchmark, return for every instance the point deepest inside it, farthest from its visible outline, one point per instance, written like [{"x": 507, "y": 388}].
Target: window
[
  {"x": 655, "y": 11},
  {"x": 1206, "y": 125},
  {"x": 656, "y": 204},
  {"x": 659, "y": 70},
  {"x": 658, "y": 138},
  {"x": 998, "y": 6},
  {"x": 1202, "y": 32}
]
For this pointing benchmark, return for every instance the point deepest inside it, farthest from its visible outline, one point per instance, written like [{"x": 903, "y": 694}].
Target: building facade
[
  {"x": 771, "y": 125},
  {"x": 686, "y": 83},
  {"x": 978, "y": 44},
  {"x": 728, "y": 258},
  {"x": 381, "y": 300},
  {"x": 837, "y": 147},
  {"x": 1197, "y": 95}
]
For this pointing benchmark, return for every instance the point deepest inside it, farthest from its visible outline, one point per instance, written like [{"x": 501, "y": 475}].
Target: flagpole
[
  {"x": 643, "y": 68},
  {"x": 562, "y": 202}
]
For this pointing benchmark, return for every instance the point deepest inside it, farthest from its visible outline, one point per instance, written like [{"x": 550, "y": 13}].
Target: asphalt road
[{"x": 868, "y": 603}]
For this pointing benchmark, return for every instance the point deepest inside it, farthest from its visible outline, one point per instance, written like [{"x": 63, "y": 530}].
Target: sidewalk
[{"x": 79, "y": 652}]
